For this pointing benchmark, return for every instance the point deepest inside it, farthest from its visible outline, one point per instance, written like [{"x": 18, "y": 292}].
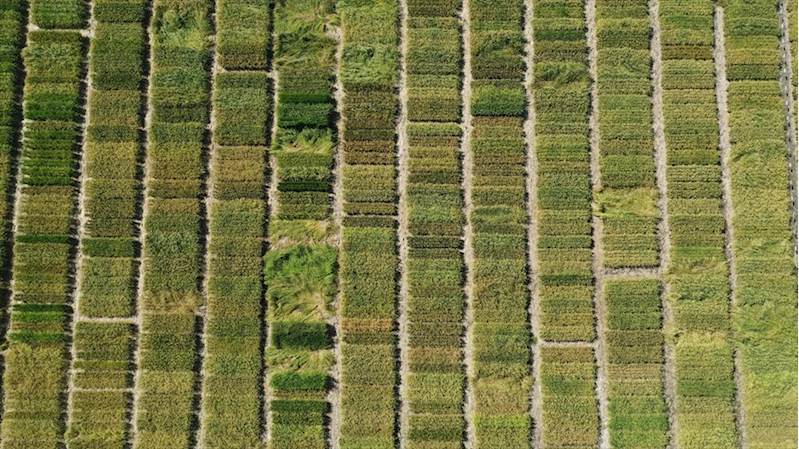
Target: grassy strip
[
  {"x": 233, "y": 383},
  {"x": 635, "y": 363},
  {"x": 172, "y": 247},
  {"x": 36, "y": 362},
  {"x": 369, "y": 251},
  {"x": 765, "y": 316},
  {"x": 12, "y": 22},
  {"x": 501, "y": 333},
  {"x": 698, "y": 272},
  {"x": 435, "y": 203},
  {"x": 561, "y": 86},
  {"x": 628, "y": 197},
  {"x": 301, "y": 266},
  {"x": 109, "y": 272}
]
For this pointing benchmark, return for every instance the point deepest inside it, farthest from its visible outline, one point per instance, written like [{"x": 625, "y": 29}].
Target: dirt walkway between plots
[
  {"x": 722, "y": 86},
  {"x": 467, "y": 166},
  {"x": 598, "y": 263}
]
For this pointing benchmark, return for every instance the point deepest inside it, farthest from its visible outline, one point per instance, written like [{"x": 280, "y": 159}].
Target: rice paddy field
[{"x": 398, "y": 224}]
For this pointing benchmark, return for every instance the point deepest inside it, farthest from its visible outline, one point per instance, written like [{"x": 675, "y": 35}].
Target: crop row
[
  {"x": 561, "y": 95},
  {"x": 12, "y": 22},
  {"x": 59, "y": 14},
  {"x": 368, "y": 248},
  {"x": 501, "y": 332},
  {"x": 435, "y": 204},
  {"x": 231, "y": 406},
  {"x": 172, "y": 248},
  {"x": 35, "y": 378},
  {"x": 698, "y": 271},
  {"x": 628, "y": 198},
  {"x": 103, "y": 356},
  {"x": 765, "y": 316},
  {"x": 301, "y": 265},
  {"x": 637, "y": 409}
]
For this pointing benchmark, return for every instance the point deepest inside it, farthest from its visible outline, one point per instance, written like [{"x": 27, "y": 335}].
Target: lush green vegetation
[
  {"x": 627, "y": 200},
  {"x": 35, "y": 379},
  {"x": 112, "y": 189},
  {"x": 698, "y": 272},
  {"x": 59, "y": 14},
  {"x": 172, "y": 224},
  {"x": 560, "y": 90},
  {"x": 301, "y": 269},
  {"x": 635, "y": 364},
  {"x": 765, "y": 316},
  {"x": 435, "y": 223},
  {"x": 233, "y": 384},
  {"x": 368, "y": 248},
  {"x": 570, "y": 403},
  {"x": 501, "y": 333}
]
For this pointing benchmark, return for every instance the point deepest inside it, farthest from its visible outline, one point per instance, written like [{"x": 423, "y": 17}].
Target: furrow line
[
  {"x": 664, "y": 234},
  {"x": 597, "y": 225}
]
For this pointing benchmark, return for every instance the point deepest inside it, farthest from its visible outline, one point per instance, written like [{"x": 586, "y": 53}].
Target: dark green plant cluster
[
  {"x": 765, "y": 316},
  {"x": 301, "y": 266},
  {"x": 435, "y": 215},
  {"x": 368, "y": 248},
  {"x": 499, "y": 218},
  {"x": 243, "y": 34},
  {"x": 570, "y": 405},
  {"x": 59, "y": 14},
  {"x": 627, "y": 201},
  {"x": 111, "y": 189},
  {"x": 698, "y": 271},
  {"x": 42, "y": 260},
  {"x": 102, "y": 397},
  {"x": 561, "y": 91},
  {"x": 561, "y": 94},
  {"x": 637, "y": 409},
  {"x": 179, "y": 101}
]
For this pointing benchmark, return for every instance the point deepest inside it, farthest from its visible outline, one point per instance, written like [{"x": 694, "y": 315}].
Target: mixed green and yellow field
[{"x": 398, "y": 224}]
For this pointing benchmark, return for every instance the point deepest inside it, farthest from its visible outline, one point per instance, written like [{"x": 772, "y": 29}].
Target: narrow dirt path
[
  {"x": 598, "y": 264},
  {"x": 722, "y": 85},
  {"x": 467, "y": 165},
  {"x": 145, "y": 210},
  {"x": 334, "y": 394},
  {"x": 536, "y": 406},
  {"x": 664, "y": 233},
  {"x": 403, "y": 159},
  {"x": 787, "y": 89},
  {"x": 81, "y": 217}
]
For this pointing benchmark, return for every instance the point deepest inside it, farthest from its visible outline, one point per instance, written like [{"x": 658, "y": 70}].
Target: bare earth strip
[
  {"x": 598, "y": 264},
  {"x": 81, "y": 216},
  {"x": 786, "y": 87},
  {"x": 664, "y": 235},
  {"x": 403, "y": 158},
  {"x": 722, "y": 85},
  {"x": 334, "y": 394},
  {"x": 146, "y": 169},
  {"x": 536, "y": 406},
  {"x": 467, "y": 163}
]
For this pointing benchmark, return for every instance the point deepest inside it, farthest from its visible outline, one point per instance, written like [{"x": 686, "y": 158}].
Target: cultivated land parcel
[{"x": 398, "y": 224}]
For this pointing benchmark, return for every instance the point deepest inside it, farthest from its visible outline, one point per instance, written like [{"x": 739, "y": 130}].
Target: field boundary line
[
  {"x": 786, "y": 88},
  {"x": 536, "y": 405},
  {"x": 467, "y": 165},
  {"x": 145, "y": 203},
  {"x": 334, "y": 393},
  {"x": 600, "y": 351},
  {"x": 403, "y": 157},
  {"x": 80, "y": 212},
  {"x": 725, "y": 149},
  {"x": 664, "y": 232},
  {"x": 15, "y": 183}
]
